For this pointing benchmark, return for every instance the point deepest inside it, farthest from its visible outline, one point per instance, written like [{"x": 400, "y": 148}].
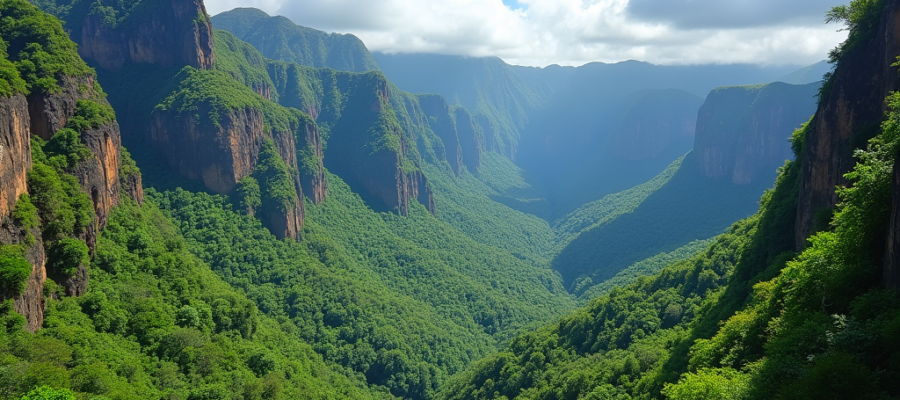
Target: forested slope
[{"x": 750, "y": 318}]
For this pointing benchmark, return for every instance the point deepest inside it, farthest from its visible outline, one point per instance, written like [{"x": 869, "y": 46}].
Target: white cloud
[{"x": 574, "y": 32}]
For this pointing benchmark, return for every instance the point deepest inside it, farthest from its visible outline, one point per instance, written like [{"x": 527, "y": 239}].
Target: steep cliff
[
  {"x": 443, "y": 124},
  {"x": 851, "y": 109},
  {"x": 743, "y": 131},
  {"x": 71, "y": 167},
  {"x": 659, "y": 121},
  {"x": 167, "y": 33},
  {"x": 471, "y": 138},
  {"x": 280, "y": 39},
  {"x": 367, "y": 144},
  {"x": 212, "y": 129},
  {"x": 15, "y": 151}
]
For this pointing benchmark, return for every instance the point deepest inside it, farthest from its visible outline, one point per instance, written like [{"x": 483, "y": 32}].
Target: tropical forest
[{"x": 449, "y": 200}]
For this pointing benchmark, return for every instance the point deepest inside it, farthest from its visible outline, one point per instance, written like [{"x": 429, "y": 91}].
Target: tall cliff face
[
  {"x": 310, "y": 156},
  {"x": 471, "y": 138},
  {"x": 744, "y": 131},
  {"x": 167, "y": 33},
  {"x": 15, "y": 151},
  {"x": 217, "y": 155},
  {"x": 848, "y": 115},
  {"x": 442, "y": 123},
  {"x": 659, "y": 121},
  {"x": 370, "y": 150}
]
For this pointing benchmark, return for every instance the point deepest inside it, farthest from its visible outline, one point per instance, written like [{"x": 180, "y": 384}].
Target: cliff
[
  {"x": 15, "y": 151},
  {"x": 212, "y": 129},
  {"x": 849, "y": 113},
  {"x": 744, "y": 131},
  {"x": 471, "y": 138},
  {"x": 442, "y": 123},
  {"x": 280, "y": 39},
  {"x": 167, "y": 33},
  {"x": 659, "y": 121}
]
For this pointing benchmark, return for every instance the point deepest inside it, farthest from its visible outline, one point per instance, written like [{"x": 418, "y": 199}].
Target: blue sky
[{"x": 574, "y": 32}]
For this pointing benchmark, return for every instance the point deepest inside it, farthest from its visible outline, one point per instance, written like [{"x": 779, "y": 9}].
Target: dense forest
[{"x": 288, "y": 221}]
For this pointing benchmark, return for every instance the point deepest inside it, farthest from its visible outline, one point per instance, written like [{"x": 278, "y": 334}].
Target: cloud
[
  {"x": 574, "y": 32},
  {"x": 692, "y": 14}
]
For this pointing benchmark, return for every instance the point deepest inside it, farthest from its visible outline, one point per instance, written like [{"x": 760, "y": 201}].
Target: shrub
[
  {"x": 67, "y": 255},
  {"x": 14, "y": 271}
]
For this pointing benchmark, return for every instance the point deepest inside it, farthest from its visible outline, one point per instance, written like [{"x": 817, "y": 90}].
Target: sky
[{"x": 575, "y": 32}]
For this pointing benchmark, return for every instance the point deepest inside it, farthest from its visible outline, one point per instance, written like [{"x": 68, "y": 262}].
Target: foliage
[
  {"x": 120, "y": 340},
  {"x": 860, "y": 18},
  {"x": 61, "y": 205},
  {"x": 10, "y": 81},
  {"x": 277, "y": 192},
  {"x": 248, "y": 195},
  {"x": 90, "y": 114},
  {"x": 48, "y": 393},
  {"x": 708, "y": 384},
  {"x": 67, "y": 255},
  {"x": 14, "y": 271},
  {"x": 38, "y": 47},
  {"x": 65, "y": 149},
  {"x": 25, "y": 213}
]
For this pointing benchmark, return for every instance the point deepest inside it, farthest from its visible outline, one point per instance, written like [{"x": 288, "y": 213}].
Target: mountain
[
  {"x": 280, "y": 39},
  {"x": 753, "y": 316},
  {"x": 807, "y": 74},
  {"x": 398, "y": 268}
]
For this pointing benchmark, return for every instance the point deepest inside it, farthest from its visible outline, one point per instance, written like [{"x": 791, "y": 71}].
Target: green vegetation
[
  {"x": 278, "y": 192},
  {"x": 14, "y": 271},
  {"x": 64, "y": 209},
  {"x": 10, "y": 81},
  {"x": 38, "y": 47},
  {"x": 280, "y": 39},
  {"x": 157, "y": 323},
  {"x": 66, "y": 255}
]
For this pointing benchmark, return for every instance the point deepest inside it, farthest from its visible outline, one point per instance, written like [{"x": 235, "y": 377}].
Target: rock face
[
  {"x": 173, "y": 34},
  {"x": 471, "y": 138},
  {"x": 15, "y": 151},
  {"x": 660, "y": 121},
  {"x": 219, "y": 156},
  {"x": 370, "y": 150},
  {"x": 312, "y": 170},
  {"x": 848, "y": 115},
  {"x": 444, "y": 126},
  {"x": 744, "y": 131}
]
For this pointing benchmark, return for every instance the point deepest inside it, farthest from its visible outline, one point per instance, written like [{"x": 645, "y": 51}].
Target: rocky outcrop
[
  {"x": 50, "y": 112},
  {"x": 744, "y": 131},
  {"x": 660, "y": 121},
  {"x": 15, "y": 151},
  {"x": 849, "y": 114},
  {"x": 370, "y": 150},
  {"x": 217, "y": 155},
  {"x": 30, "y": 304},
  {"x": 132, "y": 185},
  {"x": 443, "y": 125},
  {"x": 471, "y": 138},
  {"x": 167, "y": 33},
  {"x": 311, "y": 167}
]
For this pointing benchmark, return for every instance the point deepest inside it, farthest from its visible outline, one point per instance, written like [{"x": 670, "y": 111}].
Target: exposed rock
[
  {"x": 471, "y": 138},
  {"x": 372, "y": 153},
  {"x": 744, "y": 131},
  {"x": 312, "y": 170},
  {"x": 848, "y": 116},
  {"x": 660, "y": 121},
  {"x": 443, "y": 125},
  {"x": 30, "y": 304},
  {"x": 219, "y": 156},
  {"x": 99, "y": 176},
  {"x": 176, "y": 33},
  {"x": 50, "y": 112},
  {"x": 15, "y": 151},
  {"x": 132, "y": 185}
]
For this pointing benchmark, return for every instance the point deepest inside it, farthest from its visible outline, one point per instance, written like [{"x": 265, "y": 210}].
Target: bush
[
  {"x": 67, "y": 255},
  {"x": 49, "y": 393},
  {"x": 14, "y": 271}
]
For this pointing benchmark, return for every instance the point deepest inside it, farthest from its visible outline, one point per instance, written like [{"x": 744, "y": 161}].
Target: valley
[{"x": 239, "y": 207}]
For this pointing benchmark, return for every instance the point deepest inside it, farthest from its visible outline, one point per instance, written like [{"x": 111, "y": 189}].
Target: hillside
[
  {"x": 753, "y": 317},
  {"x": 101, "y": 298},
  {"x": 280, "y": 39}
]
